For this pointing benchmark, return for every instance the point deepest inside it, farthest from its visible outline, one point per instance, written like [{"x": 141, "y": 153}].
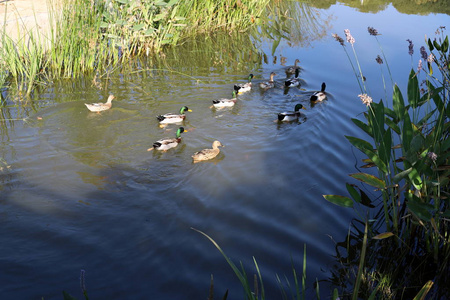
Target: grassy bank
[{"x": 95, "y": 36}]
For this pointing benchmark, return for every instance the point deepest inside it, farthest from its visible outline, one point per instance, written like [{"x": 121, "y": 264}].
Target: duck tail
[
  {"x": 280, "y": 117},
  {"x": 160, "y": 118},
  {"x": 314, "y": 98}
]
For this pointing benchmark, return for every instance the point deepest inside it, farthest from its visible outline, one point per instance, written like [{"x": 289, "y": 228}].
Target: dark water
[{"x": 79, "y": 190}]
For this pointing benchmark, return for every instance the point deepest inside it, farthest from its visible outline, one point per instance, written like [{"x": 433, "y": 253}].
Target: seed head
[
  {"x": 419, "y": 67},
  {"x": 365, "y": 99},
  {"x": 432, "y": 156},
  {"x": 338, "y": 38},
  {"x": 410, "y": 47},
  {"x": 349, "y": 37},
  {"x": 379, "y": 60},
  {"x": 423, "y": 53},
  {"x": 372, "y": 31}
]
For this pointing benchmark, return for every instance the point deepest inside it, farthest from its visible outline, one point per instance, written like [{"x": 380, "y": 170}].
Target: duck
[
  {"x": 293, "y": 81},
  {"x": 207, "y": 154},
  {"x": 291, "y": 70},
  {"x": 291, "y": 115},
  {"x": 224, "y": 102},
  {"x": 98, "y": 107},
  {"x": 319, "y": 95},
  {"x": 166, "y": 144},
  {"x": 268, "y": 84},
  {"x": 170, "y": 118},
  {"x": 244, "y": 87}
]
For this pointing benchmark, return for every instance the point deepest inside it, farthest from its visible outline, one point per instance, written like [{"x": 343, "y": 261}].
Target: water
[{"x": 79, "y": 190}]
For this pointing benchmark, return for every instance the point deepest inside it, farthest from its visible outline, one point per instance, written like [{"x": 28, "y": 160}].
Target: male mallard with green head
[
  {"x": 166, "y": 144},
  {"x": 171, "y": 118},
  {"x": 224, "y": 102},
  {"x": 244, "y": 87},
  {"x": 293, "y": 81},
  {"x": 291, "y": 115}
]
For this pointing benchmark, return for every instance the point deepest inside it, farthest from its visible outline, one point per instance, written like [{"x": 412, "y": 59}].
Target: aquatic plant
[{"x": 411, "y": 231}]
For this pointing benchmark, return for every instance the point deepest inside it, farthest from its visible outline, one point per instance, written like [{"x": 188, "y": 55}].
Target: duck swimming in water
[
  {"x": 98, "y": 107},
  {"x": 166, "y": 144},
  {"x": 224, "y": 102},
  {"x": 319, "y": 95},
  {"x": 293, "y": 81},
  {"x": 268, "y": 84},
  {"x": 171, "y": 118},
  {"x": 291, "y": 115},
  {"x": 244, "y": 87},
  {"x": 207, "y": 154}
]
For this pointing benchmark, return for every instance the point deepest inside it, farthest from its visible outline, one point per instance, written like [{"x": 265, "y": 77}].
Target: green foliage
[{"x": 412, "y": 178}]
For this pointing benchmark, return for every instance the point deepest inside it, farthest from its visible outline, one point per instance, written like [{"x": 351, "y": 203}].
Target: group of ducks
[{"x": 207, "y": 154}]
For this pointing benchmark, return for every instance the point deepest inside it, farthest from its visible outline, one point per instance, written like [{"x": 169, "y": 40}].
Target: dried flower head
[
  {"x": 366, "y": 99},
  {"x": 372, "y": 31},
  {"x": 432, "y": 156},
  {"x": 423, "y": 53},
  {"x": 349, "y": 37},
  {"x": 338, "y": 38},
  {"x": 419, "y": 67},
  {"x": 410, "y": 47},
  {"x": 430, "y": 58},
  {"x": 379, "y": 60}
]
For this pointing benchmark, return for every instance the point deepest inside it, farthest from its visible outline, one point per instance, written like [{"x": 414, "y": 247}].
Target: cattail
[{"x": 349, "y": 37}]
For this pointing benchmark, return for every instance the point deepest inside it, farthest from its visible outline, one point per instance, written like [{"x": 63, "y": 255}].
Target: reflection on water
[{"x": 83, "y": 192}]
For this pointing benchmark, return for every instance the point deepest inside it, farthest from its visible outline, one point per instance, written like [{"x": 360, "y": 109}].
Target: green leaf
[
  {"x": 420, "y": 210},
  {"x": 382, "y": 236},
  {"x": 392, "y": 125},
  {"x": 445, "y": 45},
  {"x": 359, "y": 143},
  {"x": 415, "y": 178},
  {"x": 339, "y": 200},
  {"x": 399, "y": 176},
  {"x": 369, "y": 179},
  {"x": 67, "y": 296},
  {"x": 407, "y": 133},
  {"x": 436, "y": 45},
  {"x": 138, "y": 27},
  {"x": 353, "y": 192},
  {"x": 424, "y": 290},
  {"x": 366, "y": 128},
  {"x": 123, "y": 1},
  {"x": 413, "y": 89},
  {"x": 398, "y": 103},
  {"x": 430, "y": 45}
]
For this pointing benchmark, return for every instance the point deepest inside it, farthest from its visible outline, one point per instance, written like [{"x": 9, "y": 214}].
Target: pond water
[{"x": 79, "y": 190}]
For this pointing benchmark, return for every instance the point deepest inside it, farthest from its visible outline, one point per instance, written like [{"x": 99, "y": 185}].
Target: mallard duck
[
  {"x": 291, "y": 70},
  {"x": 98, "y": 107},
  {"x": 293, "y": 81},
  {"x": 224, "y": 102},
  {"x": 268, "y": 84},
  {"x": 173, "y": 118},
  {"x": 244, "y": 87},
  {"x": 166, "y": 144},
  {"x": 319, "y": 95},
  {"x": 207, "y": 154},
  {"x": 290, "y": 115}
]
